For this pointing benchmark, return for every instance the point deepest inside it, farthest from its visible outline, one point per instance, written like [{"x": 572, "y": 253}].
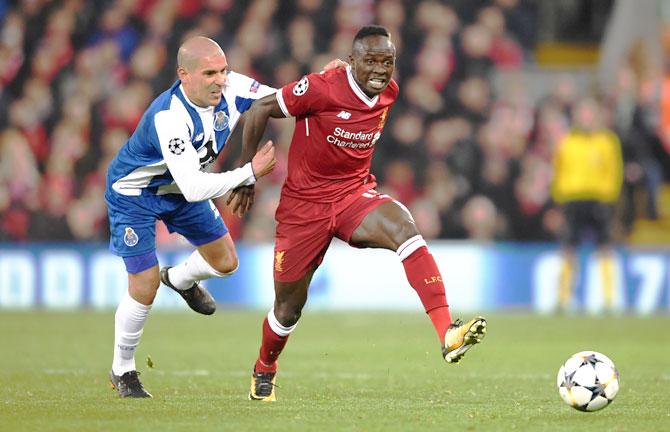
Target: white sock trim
[
  {"x": 230, "y": 272},
  {"x": 194, "y": 269},
  {"x": 135, "y": 304},
  {"x": 211, "y": 270},
  {"x": 409, "y": 246},
  {"x": 276, "y": 326}
]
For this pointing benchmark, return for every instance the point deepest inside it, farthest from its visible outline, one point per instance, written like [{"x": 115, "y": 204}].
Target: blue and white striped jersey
[{"x": 176, "y": 140}]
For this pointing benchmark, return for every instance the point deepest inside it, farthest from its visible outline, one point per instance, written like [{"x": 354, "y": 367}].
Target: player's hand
[
  {"x": 264, "y": 160},
  {"x": 335, "y": 64},
  {"x": 244, "y": 197}
]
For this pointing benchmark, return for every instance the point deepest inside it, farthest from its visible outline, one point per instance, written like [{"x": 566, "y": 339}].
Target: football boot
[
  {"x": 461, "y": 337},
  {"x": 263, "y": 386},
  {"x": 197, "y": 297},
  {"x": 128, "y": 385}
]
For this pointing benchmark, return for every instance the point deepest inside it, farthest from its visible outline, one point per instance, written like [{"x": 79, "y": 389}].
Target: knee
[
  {"x": 144, "y": 286},
  {"x": 404, "y": 231},
  {"x": 287, "y": 314},
  {"x": 226, "y": 264},
  {"x": 148, "y": 280}
]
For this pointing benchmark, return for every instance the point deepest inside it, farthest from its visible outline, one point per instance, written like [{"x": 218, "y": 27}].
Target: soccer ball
[{"x": 588, "y": 381}]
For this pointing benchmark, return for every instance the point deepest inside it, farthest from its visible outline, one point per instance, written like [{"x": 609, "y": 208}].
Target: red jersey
[{"x": 337, "y": 127}]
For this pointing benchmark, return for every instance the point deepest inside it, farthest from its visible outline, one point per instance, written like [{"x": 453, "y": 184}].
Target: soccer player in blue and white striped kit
[{"x": 160, "y": 174}]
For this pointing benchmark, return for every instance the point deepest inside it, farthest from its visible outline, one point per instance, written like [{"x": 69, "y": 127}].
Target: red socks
[
  {"x": 424, "y": 276},
  {"x": 441, "y": 318},
  {"x": 271, "y": 347}
]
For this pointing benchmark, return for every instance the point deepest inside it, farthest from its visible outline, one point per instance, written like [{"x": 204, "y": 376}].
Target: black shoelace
[
  {"x": 264, "y": 384},
  {"x": 132, "y": 380},
  {"x": 457, "y": 323}
]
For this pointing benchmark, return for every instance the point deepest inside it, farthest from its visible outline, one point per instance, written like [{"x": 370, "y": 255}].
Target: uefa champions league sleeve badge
[
  {"x": 130, "y": 238},
  {"x": 177, "y": 146},
  {"x": 301, "y": 87}
]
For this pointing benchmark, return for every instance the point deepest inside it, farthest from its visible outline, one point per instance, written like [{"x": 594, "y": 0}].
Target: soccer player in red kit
[{"x": 329, "y": 192}]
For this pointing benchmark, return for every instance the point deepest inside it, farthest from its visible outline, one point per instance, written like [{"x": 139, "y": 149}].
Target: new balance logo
[{"x": 344, "y": 115}]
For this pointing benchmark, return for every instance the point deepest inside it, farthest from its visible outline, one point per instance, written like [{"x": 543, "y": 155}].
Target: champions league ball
[{"x": 588, "y": 381}]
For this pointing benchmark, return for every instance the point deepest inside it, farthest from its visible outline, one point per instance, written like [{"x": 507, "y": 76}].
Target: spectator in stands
[
  {"x": 19, "y": 185},
  {"x": 98, "y": 64},
  {"x": 643, "y": 150}
]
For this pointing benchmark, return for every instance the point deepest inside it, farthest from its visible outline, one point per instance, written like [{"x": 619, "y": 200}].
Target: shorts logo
[
  {"x": 279, "y": 261},
  {"x": 254, "y": 87},
  {"x": 130, "y": 238},
  {"x": 214, "y": 209},
  {"x": 220, "y": 121},
  {"x": 177, "y": 146},
  {"x": 301, "y": 87}
]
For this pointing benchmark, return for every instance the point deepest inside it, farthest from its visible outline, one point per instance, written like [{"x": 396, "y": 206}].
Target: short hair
[{"x": 371, "y": 30}]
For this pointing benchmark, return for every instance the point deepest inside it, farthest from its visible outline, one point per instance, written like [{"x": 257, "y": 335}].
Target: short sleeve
[
  {"x": 304, "y": 97},
  {"x": 244, "y": 90}
]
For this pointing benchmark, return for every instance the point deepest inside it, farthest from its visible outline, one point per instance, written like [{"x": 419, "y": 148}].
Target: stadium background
[{"x": 486, "y": 92}]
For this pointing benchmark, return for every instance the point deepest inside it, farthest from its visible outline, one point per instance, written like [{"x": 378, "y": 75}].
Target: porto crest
[
  {"x": 220, "y": 121},
  {"x": 130, "y": 238}
]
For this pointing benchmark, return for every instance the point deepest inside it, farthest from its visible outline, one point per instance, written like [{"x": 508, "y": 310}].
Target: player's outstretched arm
[
  {"x": 256, "y": 122},
  {"x": 254, "y": 125},
  {"x": 183, "y": 162}
]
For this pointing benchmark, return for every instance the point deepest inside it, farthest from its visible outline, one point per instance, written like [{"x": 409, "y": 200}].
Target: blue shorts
[{"x": 132, "y": 221}]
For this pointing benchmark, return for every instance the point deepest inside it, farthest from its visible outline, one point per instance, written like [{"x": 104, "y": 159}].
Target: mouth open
[{"x": 377, "y": 83}]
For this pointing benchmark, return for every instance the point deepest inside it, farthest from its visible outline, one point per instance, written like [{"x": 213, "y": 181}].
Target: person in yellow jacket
[{"x": 588, "y": 175}]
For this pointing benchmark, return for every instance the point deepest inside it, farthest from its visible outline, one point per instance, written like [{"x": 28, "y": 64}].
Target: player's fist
[{"x": 264, "y": 160}]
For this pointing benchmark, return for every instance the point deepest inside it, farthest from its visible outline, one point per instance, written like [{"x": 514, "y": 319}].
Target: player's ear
[{"x": 182, "y": 73}]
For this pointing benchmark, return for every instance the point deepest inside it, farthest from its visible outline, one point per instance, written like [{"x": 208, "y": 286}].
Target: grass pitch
[{"x": 356, "y": 371}]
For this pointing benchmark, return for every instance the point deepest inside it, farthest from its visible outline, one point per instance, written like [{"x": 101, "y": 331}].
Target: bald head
[
  {"x": 202, "y": 69},
  {"x": 194, "y": 50}
]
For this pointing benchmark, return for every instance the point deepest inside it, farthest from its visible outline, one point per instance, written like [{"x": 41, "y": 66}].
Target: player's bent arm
[
  {"x": 183, "y": 163},
  {"x": 202, "y": 186},
  {"x": 256, "y": 121},
  {"x": 234, "y": 142}
]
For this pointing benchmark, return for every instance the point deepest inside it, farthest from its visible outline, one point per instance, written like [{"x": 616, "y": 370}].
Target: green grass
[{"x": 352, "y": 371}]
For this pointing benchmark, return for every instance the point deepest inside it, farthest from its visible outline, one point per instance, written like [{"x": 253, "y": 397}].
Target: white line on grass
[
  {"x": 316, "y": 375},
  {"x": 196, "y": 372},
  {"x": 67, "y": 371}
]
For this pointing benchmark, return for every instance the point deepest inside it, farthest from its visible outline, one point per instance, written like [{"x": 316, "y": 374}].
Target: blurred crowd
[{"x": 468, "y": 145}]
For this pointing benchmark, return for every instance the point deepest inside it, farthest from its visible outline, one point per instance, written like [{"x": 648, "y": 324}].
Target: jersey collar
[
  {"x": 194, "y": 106},
  {"x": 357, "y": 90}
]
